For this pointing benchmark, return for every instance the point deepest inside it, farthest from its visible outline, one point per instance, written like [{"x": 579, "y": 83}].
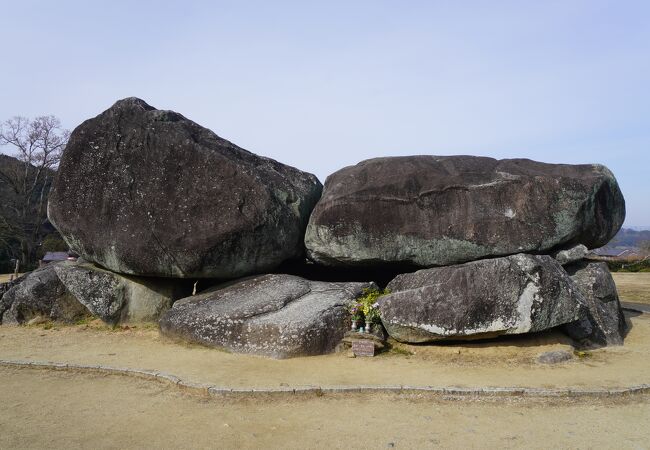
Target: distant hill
[
  {"x": 626, "y": 239},
  {"x": 641, "y": 228}
]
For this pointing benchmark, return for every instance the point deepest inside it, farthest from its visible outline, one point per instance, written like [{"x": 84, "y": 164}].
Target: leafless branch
[{"x": 38, "y": 145}]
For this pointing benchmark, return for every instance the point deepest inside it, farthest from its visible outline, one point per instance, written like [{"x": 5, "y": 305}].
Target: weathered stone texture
[
  {"x": 116, "y": 298},
  {"x": 571, "y": 255},
  {"x": 148, "y": 192},
  {"x": 602, "y": 322},
  {"x": 280, "y": 316},
  {"x": 429, "y": 211},
  {"x": 40, "y": 293},
  {"x": 509, "y": 295}
]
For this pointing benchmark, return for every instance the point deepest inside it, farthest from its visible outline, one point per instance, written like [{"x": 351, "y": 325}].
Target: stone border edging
[{"x": 225, "y": 392}]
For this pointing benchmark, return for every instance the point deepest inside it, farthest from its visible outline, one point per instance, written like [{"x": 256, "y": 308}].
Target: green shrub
[
  {"x": 52, "y": 243},
  {"x": 625, "y": 266}
]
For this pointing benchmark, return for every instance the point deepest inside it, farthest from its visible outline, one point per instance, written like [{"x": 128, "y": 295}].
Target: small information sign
[{"x": 363, "y": 347}]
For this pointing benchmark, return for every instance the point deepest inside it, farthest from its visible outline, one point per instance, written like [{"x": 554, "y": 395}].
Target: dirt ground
[
  {"x": 499, "y": 363},
  {"x": 48, "y": 409},
  {"x": 633, "y": 287},
  {"x": 40, "y": 408}
]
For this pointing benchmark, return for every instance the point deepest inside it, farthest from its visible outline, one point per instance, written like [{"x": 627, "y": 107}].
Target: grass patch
[
  {"x": 582, "y": 354},
  {"x": 94, "y": 324},
  {"x": 393, "y": 350},
  {"x": 85, "y": 320},
  {"x": 146, "y": 326}
]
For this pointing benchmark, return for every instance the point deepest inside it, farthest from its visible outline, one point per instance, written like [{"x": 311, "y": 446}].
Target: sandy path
[
  {"x": 506, "y": 362},
  {"x": 43, "y": 409}
]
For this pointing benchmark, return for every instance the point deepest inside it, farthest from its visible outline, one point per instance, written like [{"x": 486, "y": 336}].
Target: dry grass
[
  {"x": 4, "y": 277},
  {"x": 633, "y": 287}
]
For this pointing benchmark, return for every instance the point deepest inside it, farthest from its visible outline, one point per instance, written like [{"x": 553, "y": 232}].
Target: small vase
[
  {"x": 354, "y": 325},
  {"x": 368, "y": 325}
]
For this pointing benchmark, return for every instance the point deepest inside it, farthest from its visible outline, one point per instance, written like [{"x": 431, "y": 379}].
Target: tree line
[{"x": 32, "y": 148}]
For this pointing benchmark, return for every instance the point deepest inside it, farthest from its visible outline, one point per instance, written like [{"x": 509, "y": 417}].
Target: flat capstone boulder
[
  {"x": 425, "y": 211},
  {"x": 148, "y": 192},
  {"x": 602, "y": 323},
  {"x": 115, "y": 298},
  {"x": 481, "y": 299},
  {"x": 277, "y": 315},
  {"x": 40, "y": 294}
]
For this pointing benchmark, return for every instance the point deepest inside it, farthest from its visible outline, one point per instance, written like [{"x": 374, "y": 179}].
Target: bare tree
[{"x": 37, "y": 144}]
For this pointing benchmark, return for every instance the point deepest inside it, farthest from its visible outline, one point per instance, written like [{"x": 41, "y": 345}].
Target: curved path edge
[{"x": 221, "y": 391}]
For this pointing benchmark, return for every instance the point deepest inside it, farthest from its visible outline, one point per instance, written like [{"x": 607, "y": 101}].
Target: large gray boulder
[
  {"x": 148, "y": 192},
  {"x": 279, "y": 316},
  {"x": 602, "y": 322},
  {"x": 426, "y": 211},
  {"x": 40, "y": 294},
  {"x": 116, "y": 298},
  {"x": 481, "y": 299}
]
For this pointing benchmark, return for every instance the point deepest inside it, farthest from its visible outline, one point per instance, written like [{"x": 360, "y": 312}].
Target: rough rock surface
[
  {"x": 426, "y": 211},
  {"x": 602, "y": 322},
  {"x": 148, "y": 192},
  {"x": 116, "y": 298},
  {"x": 280, "y": 316},
  {"x": 4, "y": 287},
  {"x": 554, "y": 357},
  {"x": 39, "y": 293},
  {"x": 571, "y": 255},
  {"x": 508, "y": 295}
]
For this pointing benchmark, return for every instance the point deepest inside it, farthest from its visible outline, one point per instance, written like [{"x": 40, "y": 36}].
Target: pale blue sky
[{"x": 322, "y": 85}]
